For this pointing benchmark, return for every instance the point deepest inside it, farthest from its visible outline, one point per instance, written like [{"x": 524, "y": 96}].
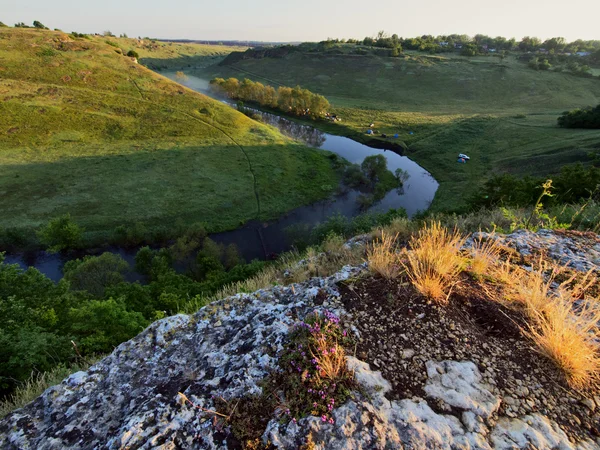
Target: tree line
[
  {"x": 472, "y": 45},
  {"x": 296, "y": 101}
]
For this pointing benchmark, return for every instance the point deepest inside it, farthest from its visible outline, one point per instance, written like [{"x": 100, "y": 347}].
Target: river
[{"x": 264, "y": 239}]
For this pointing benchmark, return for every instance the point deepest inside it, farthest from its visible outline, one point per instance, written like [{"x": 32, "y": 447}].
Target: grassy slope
[
  {"x": 451, "y": 104},
  {"x": 169, "y": 55},
  {"x": 87, "y": 131}
]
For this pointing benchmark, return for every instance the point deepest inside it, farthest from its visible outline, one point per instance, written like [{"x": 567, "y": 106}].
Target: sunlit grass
[
  {"x": 434, "y": 260},
  {"x": 383, "y": 258}
]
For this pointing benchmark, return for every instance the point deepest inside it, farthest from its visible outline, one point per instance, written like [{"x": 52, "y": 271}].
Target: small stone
[
  {"x": 589, "y": 403},
  {"x": 408, "y": 353}
]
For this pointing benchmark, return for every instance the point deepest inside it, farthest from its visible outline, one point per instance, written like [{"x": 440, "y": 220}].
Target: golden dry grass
[
  {"x": 383, "y": 258},
  {"x": 569, "y": 338},
  {"x": 565, "y": 332},
  {"x": 400, "y": 227},
  {"x": 434, "y": 260},
  {"x": 330, "y": 357},
  {"x": 484, "y": 255}
]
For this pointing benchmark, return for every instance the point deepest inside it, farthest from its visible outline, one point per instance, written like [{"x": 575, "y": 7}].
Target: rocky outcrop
[
  {"x": 576, "y": 250},
  {"x": 132, "y": 399}
]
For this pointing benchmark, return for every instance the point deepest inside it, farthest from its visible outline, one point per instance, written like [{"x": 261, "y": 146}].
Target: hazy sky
[{"x": 282, "y": 20}]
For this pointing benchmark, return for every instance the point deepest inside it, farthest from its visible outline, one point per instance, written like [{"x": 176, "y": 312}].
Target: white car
[{"x": 463, "y": 156}]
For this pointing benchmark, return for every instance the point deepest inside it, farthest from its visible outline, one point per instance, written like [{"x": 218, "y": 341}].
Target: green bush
[
  {"x": 61, "y": 234},
  {"x": 133, "y": 54}
]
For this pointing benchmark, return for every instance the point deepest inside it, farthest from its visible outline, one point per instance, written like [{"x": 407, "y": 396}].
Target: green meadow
[
  {"x": 498, "y": 111},
  {"x": 87, "y": 131}
]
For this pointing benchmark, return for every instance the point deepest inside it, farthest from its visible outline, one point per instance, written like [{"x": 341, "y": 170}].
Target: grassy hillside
[
  {"x": 158, "y": 55},
  {"x": 87, "y": 131},
  {"x": 500, "y": 112}
]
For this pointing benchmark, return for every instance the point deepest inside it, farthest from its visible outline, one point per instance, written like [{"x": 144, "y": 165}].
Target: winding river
[{"x": 264, "y": 239}]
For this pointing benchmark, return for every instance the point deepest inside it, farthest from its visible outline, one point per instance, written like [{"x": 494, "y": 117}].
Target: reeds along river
[{"x": 262, "y": 240}]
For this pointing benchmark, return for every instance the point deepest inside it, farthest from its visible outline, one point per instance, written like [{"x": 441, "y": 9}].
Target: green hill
[
  {"x": 87, "y": 131},
  {"x": 498, "y": 111}
]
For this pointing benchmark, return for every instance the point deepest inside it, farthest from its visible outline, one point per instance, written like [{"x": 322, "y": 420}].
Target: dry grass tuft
[
  {"x": 570, "y": 339},
  {"x": 564, "y": 331},
  {"x": 400, "y": 227},
  {"x": 434, "y": 260},
  {"x": 382, "y": 257},
  {"x": 331, "y": 359},
  {"x": 484, "y": 255}
]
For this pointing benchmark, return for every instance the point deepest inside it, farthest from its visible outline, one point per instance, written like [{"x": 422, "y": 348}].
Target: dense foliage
[
  {"x": 93, "y": 309},
  {"x": 574, "y": 183},
  {"x": 581, "y": 118},
  {"x": 296, "y": 101}
]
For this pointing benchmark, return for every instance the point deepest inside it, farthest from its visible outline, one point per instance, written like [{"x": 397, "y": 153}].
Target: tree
[
  {"x": 39, "y": 25},
  {"x": 108, "y": 34},
  {"x": 21, "y": 25},
  {"x": 556, "y": 44},
  {"x": 374, "y": 166},
  {"x": 95, "y": 273},
  {"x": 395, "y": 52},
  {"x": 232, "y": 256},
  {"x": 133, "y": 54},
  {"x": 469, "y": 50},
  {"x": 529, "y": 44},
  {"x": 61, "y": 234},
  {"x": 102, "y": 325}
]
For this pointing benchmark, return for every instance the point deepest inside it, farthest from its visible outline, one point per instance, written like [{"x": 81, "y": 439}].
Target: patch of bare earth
[{"x": 400, "y": 331}]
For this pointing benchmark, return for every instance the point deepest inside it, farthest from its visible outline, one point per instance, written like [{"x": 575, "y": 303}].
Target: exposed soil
[{"x": 400, "y": 331}]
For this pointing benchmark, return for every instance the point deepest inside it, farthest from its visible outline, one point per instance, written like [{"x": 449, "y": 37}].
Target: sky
[{"x": 310, "y": 20}]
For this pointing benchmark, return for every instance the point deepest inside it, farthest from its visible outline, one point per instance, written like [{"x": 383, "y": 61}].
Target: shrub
[
  {"x": 434, "y": 260},
  {"x": 61, "y": 234},
  {"x": 133, "y": 54}
]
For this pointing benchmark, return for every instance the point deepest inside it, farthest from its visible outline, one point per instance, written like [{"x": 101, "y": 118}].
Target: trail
[
  {"x": 250, "y": 168},
  {"x": 138, "y": 88}
]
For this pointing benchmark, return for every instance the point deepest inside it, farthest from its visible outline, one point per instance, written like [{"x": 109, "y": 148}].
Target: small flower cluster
[{"x": 315, "y": 376}]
